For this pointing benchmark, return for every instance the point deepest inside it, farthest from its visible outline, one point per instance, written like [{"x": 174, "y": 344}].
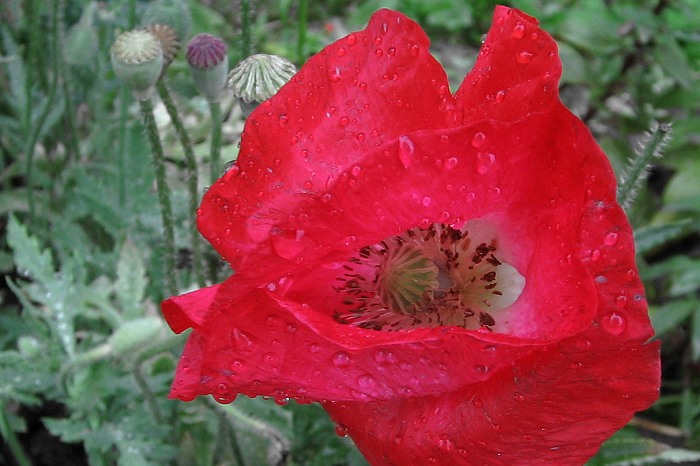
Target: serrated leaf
[
  {"x": 31, "y": 260},
  {"x": 651, "y": 237},
  {"x": 131, "y": 283},
  {"x": 672, "y": 314},
  {"x": 672, "y": 59}
]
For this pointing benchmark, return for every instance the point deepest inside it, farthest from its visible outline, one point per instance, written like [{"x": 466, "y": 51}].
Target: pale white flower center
[{"x": 427, "y": 278}]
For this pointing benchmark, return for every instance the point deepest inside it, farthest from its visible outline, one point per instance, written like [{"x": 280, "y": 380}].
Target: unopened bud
[{"x": 135, "y": 334}]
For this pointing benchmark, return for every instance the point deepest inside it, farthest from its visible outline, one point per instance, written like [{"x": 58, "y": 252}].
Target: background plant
[{"x": 85, "y": 359}]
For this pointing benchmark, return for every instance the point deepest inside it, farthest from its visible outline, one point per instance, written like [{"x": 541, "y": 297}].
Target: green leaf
[
  {"x": 650, "y": 237},
  {"x": 671, "y": 314},
  {"x": 672, "y": 59},
  {"x": 32, "y": 262},
  {"x": 130, "y": 286}
]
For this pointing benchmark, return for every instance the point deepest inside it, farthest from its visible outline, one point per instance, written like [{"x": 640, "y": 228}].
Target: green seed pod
[
  {"x": 259, "y": 77},
  {"x": 174, "y": 13},
  {"x": 208, "y": 61},
  {"x": 168, "y": 39},
  {"x": 134, "y": 335},
  {"x": 137, "y": 59}
]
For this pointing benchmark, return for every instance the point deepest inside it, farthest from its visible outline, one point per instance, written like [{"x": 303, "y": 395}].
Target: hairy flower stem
[
  {"x": 190, "y": 175},
  {"x": 38, "y": 127},
  {"x": 245, "y": 29},
  {"x": 278, "y": 442},
  {"x": 11, "y": 440},
  {"x": 301, "y": 37},
  {"x": 147, "y": 393},
  {"x": 163, "y": 193},
  {"x": 215, "y": 154},
  {"x": 637, "y": 170}
]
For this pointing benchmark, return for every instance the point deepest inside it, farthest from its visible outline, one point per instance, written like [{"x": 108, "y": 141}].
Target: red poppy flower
[{"x": 449, "y": 275}]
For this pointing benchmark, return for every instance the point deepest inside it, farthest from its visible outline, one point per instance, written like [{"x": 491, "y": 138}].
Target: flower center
[{"x": 427, "y": 278}]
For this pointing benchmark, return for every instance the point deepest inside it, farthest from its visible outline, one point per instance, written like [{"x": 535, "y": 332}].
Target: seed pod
[
  {"x": 259, "y": 77},
  {"x": 137, "y": 59},
  {"x": 208, "y": 61}
]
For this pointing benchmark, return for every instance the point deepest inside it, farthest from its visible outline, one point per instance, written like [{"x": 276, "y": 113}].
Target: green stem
[
  {"x": 38, "y": 127},
  {"x": 638, "y": 169},
  {"x": 11, "y": 440},
  {"x": 301, "y": 36},
  {"x": 147, "y": 393},
  {"x": 190, "y": 175},
  {"x": 72, "y": 145},
  {"x": 215, "y": 154},
  {"x": 121, "y": 144},
  {"x": 163, "y": 193},
  {"x": 245, "y": 29},
  {"x": 241, "y": 420}
]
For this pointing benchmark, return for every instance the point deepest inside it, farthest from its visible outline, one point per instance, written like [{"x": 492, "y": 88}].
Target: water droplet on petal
[
  {"x": 614, "y": 323},
  {"x": 351, "y": 39},
  {"x": 484, "y": 160},
  {"x": 610, "y": 239},
  {"x": 314, "y": 348},
  {"x": 341, "y": 52},
  {"x": 355, "y": 171},
  {"x": 478, "y": 139},
  {"x": 415, "y": 50},
  {"x": 451, "y": 163},
  {"x": 341, "y": 359},
  {"x": 524, "y": 58},
  {"x": 426, "y": 201},
  {"x": 500, "y": 96},
  {"x": 341, "y": 430},
  {"x": 344, "y": 121},
  {"x": 335, "y": 76},
  {"x": 286, "y": 242},
  {"x": 518, "y": 396},
  {"x": 366, "y": 381},
  {"x": 518, "y": 31},
  {"x": 406, "y": 150}
]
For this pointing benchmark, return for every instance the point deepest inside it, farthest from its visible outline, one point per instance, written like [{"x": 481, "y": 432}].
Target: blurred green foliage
[{"x": 81, "y": 249}]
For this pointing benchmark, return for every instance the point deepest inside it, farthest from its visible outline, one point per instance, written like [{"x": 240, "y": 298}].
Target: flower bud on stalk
[
  {"x": 259, "y": 77},
  {"x": 137, "y": 59},
  {"x": 206, "y": 55}
]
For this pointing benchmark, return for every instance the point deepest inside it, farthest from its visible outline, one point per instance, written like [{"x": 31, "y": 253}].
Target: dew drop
[
  {"x": 406, "y": 150},
  {"x": 610, "y": 239},
  {"x": 341, "y": 430},
  {"x": 397, "y": 440},
  {"x": 355, "y": 171},
  {"x": 415, "y": 50},
  {"x": 478, "y": 139},
  {"x": 477, "y": 402},
  {"x": 614, "y": 323},
  {"x": 518, "y": 396},
  {"x": 378, "y": 53},
  {"x": 344, "y": 121},
  {"x": 351, "y": 39},
  {"x": 366, "y": 381},
  {"x": 341, "y": 52},
  {"x": 335, "y": 76},
  {"x": 341, "y": 359},
  {"x": 360, "y": 137},
  {"x": 286, "y": 243},
  {"x": 451, "y": 163},
  {"x": 426, "y": 201},
  {"x": 518, "y": 31},
  {"x": 362, "y": 86},
  {"x": 314, "y": 348},
  {"x": 524, "y": 58},
  {"x": 500, "y": 96},
  {"x": 484, "y": 160}
]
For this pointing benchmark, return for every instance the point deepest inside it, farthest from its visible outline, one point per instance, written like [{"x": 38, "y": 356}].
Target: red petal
[
  {"x": 555, "y": 407},
  {"x": 355, "y": 95},
  {"x": 571, "y": 366},
  {"x": 516, "y": 73}
]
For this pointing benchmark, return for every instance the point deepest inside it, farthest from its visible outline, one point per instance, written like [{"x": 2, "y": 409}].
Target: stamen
[{"x": 420, "y": 279}]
